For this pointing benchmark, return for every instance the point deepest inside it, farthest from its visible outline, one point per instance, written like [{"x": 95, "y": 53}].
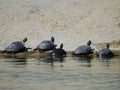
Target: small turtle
[
  {"x": 46, "y": 45},
  {"x": 16, "y": 47},
  {"x": 84, "y": 49},
  {"x": 105, "y": 52},
  {"x": 59, "y": 52}
]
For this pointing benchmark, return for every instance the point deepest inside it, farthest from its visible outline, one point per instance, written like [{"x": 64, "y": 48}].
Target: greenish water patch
[{"x": 70, "y": 73}]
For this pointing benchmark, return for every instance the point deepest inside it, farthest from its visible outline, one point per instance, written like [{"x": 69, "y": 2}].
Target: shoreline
[{"x": 37, "y": 54}]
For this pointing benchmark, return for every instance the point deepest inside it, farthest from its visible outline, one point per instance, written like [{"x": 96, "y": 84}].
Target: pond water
[{"x": 69, "y": 73}]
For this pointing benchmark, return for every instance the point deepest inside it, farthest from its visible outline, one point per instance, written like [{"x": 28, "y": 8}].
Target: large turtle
[
  {"x": 105, "y": 52},
  {"x": 46, "y": 45},
  {"x": 16, "y": 47},
  {"x": 58, "y": 52},
  {"x": 84, "y": 49}
]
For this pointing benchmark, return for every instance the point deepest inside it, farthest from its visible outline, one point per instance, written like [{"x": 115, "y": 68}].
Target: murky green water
[{"x": 70, "y": 73}]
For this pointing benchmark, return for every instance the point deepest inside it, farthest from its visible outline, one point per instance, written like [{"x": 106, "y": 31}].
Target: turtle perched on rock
[
  {"x": 46, "y": 45},
  {"x": 16, "y": 47},
  {"x": 58, "y": 52},
  {"x": 84, "y": 49},
  {"x": 105, "y": 52}
]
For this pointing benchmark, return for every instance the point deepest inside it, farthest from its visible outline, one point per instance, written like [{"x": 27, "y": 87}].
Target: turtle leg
[
  {"x": 35, "y": 49},
  {"x": 40, "y": 50}
]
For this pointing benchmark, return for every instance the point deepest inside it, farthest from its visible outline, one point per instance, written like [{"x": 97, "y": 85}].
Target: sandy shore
[{"x": 72, "y": 22}]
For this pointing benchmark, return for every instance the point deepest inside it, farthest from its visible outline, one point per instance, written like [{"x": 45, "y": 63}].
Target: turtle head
[
  {"x": 61, "y": 45},
  {"x": 89, "y": 43},
  {"x": 107, "y": 45},
  {"x": 25, "y": 39},
  {"x": 52, "y": 39}
]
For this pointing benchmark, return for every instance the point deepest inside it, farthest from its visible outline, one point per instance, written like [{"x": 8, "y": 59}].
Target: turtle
[
  {"x": 46, "y": 45},
  {"x": 58, "y": 52},
  {"x": 84, "y": 49},
  {"x": 105, "y": 52},
  {"x": 16, "y": 47}
]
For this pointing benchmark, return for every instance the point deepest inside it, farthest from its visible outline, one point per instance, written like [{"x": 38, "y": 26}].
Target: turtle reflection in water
[{"x": 83, "y": 60}]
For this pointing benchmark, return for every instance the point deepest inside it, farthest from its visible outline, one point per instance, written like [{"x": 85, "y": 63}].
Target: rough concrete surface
[{"x": 72, "y": 22}]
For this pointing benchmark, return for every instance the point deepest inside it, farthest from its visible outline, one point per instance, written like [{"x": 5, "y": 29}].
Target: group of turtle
[{"x": 49, "y": 45}]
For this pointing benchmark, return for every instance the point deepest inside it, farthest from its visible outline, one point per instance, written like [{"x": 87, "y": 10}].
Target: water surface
[{"x": 70, "y": 73}]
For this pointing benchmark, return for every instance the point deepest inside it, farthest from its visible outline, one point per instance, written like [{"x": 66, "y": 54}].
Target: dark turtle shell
[
  {"x": 105, "y": 52},
  {"x": 46, "y": 45},
  {"x": 17, "y": 46},
  {"x": 85, "y": 49},
  {"x": 58, "y": 52}
]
